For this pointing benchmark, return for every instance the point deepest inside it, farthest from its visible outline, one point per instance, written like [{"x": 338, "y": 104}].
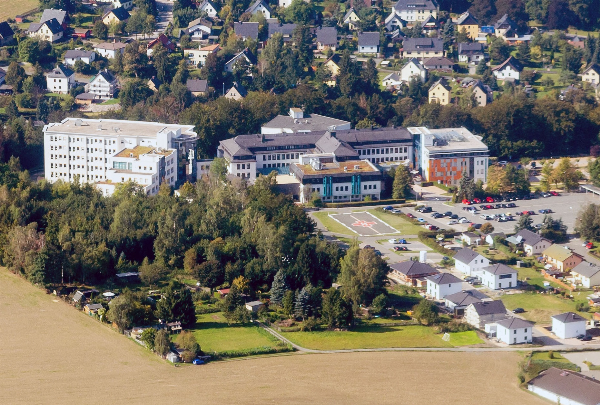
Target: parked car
[
  {"x": 421, "y": 220},
  {"x": 436, "y": 215},
  {"x": 198, "y": 362},
  {"x": 586, "y": 338},
  {"x": 489, "y": 199},
  {"x": 483, "y": 207},
  {"x": 448, "y": 213},
  {"x": 410, "y": 215},
  {"x": 531, "y": 212},
  {"x": 511, "y": 205},
  {"x": 463, "y": 220},
  {"x": 485, "y": 217},
  {"x": 554, "y": 193},
  {"x": 424, "y": 209},
  {"x": 474, "y": 225},
  {"x": 388, "y": 208},
  {"x": 579, "y": 337},
  {"x": 476, "y": 201},
  {"x": 432, "y": 227},
  {"x": 368, "y": 247},
  {"x": 396, "y": 211},
  {"x": 394, "y": 241},
  {"x": 467, "y": 202},
  {"x": 454, "y": 216},
  {"x": 546, "y": 195},
  {"x": 538, "y": 226},
  {"x": 518, "y": 311},
  {"x": 589, "y": 245},
  {"x": 545, "y": 211},
  {"x": 400, "y": 248},
  {"x": 452, "y": 222},
  {"x": 489, "y": 207},
  {"x": 501, "y": 219},
  {"x": 502, "y": 162}
]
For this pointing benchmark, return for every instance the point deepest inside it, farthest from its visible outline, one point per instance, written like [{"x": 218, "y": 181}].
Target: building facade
[{"x": 514, "y": 331}]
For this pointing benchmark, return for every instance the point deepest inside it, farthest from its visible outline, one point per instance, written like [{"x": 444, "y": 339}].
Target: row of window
[
  {"x": 387, "y": 159},
  {"x": 281, "y": 156},
  {"x": 381, "y": 151}
]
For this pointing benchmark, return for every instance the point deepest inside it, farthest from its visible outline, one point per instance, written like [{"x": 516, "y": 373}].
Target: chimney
[
  {"x": 262, "y": 139},
  {"x": 332, "y": 134}
]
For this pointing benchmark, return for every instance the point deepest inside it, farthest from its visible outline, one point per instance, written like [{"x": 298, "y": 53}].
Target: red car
[
  {"x": 400, "y": 248},
  {"x": 489, "y": 199},
  {"x": 476, "y": 201},
  {"x": 410, "y": 215},
  {"x": 589, "y": 245},
  {"x": 554, "y": 193},
  {"x": 489, "y": 207},
  {"x": 467, "y": 202}
]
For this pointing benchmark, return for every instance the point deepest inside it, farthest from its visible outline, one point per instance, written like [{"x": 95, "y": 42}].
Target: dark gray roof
[
  {"x": 413, "y": 269},
  {"x": 309, "y": 122},
  {"x": 489, "y": 307},
  {"x": 463, "y": 298},
  {"x": 78, "y": 53},
  {"x": 249, "y": 55},
  {"x": 469, "y": 48},
  {"x": 119, "y": 12},
  {"x": 106, "y": 75},
  {"x": 60, "y": 72},
  {"x": 500, "y": 269},
  {"x": 240, "y": 89},
  {"x": 569, "y": 317},
  {"x": 444, "y": 278},
  {"x": 465, "y": 255},
  {"x": 205, "y": 2},
  {"x": 586, "y": 269},
  {"x": 51, "y": 13},
  {"x": 52, "y": 24},
  {"x": 94, "y": 306},
  {"x": 515, "y": 323},
  {"x": 467, "y": 19},
  {"x": 430, "y": 22},
  {"x": 416, "y": 5},
  {"x": 330, "y": 144},
  {"x": 368, "y": 39},
  {"x": 283, "y": 29},
  {"x": 437, "y": 61},
  {"x": 593, "y": 66},
  {"x": 246, "y": 29},
  {"x": 200, "y": 21},
  {"x": 569, "y": 384},
  {"x": 197, "y": 85},
  {"x": 257, "y": 3},
  {"x": 5, "y": 30},
  {"x": 85, "y": 96},
  {"x": 528, "y": 237},
  {"x": 327, "y": 35},
  {"x": 348, "y": 13},
  {"x": 423, "y": 44},
  {"x": 512, "y": 62},
  {"x": 444, "y": 84},
  {"x": 505, "y": 22}
]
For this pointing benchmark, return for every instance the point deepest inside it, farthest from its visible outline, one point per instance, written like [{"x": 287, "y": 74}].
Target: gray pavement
[{"x": 579, "y": 358}]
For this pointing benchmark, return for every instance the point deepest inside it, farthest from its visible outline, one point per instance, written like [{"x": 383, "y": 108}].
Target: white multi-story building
[
  {"x": 470, "y": 263},
  {"x": 413, "y": 11},
  {"x": 103, "y": 86},
  {"x": 568, "y": 325},
  {"x": 499, "y": 276},
  {"x": 197, "y": 57},
  {"x": 514, "y": 331},
  {"x": 441, "y": 285},
  {"x": 60, "y": 80},
  {"x": 107, "y": 152}
]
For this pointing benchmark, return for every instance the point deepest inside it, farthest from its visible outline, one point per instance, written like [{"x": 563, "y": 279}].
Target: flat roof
[
  {"x": 338, "y": 168},
  {"x": 135, "y": 152},
  {"x": 451, "y": 139},
  {"x": 108, "y": 127}
]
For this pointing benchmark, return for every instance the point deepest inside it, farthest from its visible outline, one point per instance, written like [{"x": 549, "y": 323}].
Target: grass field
[
  {"x": 11, "y": 8},
  {"x": 49, "y": 350},
  {"x": 464, "y": 338},
  {"x": 540, "y": 307},
  {"x": 331, "y": 224},
  {"x": 111, "y": 101},
  {"x": 214, "y": 335},
  {"x": 546, "y": 356},
  {"x": 396, "y": 221}
]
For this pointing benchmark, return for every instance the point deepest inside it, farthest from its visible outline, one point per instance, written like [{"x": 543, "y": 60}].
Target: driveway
[
  {"x": 579, "y": 358},
  {"x": 165, "y": 15}
]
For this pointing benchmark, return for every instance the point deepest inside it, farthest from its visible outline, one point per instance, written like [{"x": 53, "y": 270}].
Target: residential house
[
  {"x": 479, "y": 314},
  {"x": 82, "y": 33},
  {"x": 505, "y": 27},
  {"x": 469, "y": 24},
  {"x": 440, "y": 92},
  {"x": 154, "y": 84},
  {"x": 568, "y": 325},
  {"x": 422, "y": 48},
  {"x": 236, "y": 92},
  {"x": 514, "y": 331},
  {"x": 482, "y": 93},
  {"x": 126, "y": 4},
  {"x": 210, "y": 8},
  {"x": 260, "y": 6},
  {"x": 254, "y": 306},
  {"x": 351, "y": 18},
  {"x": 413, "y": 11},
  {"x": 82, "y": 296},
  {"x": 413, "y": 70},
  {"x": 161, "y": 39},
  {"x": 50, "y": 30},
  {"x": 586, "y": 274},
  {"x": 439, "y": 64},
  {"x": 489, "y": 238},
  {"x": 85, "y": 99},
  {"x": 510, "y": 69},
  {"x": 60, "y": 80},
  {"x": 368, "y": 42},
  {"x": 246, "y": 56},
  {"x": 327, "y": 38},
  {"x": 198, "y": 29},
  {"x": 566, "y": 387},
  {"x": 413, "y": 273},
  {"x": 470, "y": 238},
  {"x": 197, "y": 87},
  {"x": 440, "y": 285},
  {"x": 591, "y": 74},
  {"x": 104, "y": 85},
  {"x": 470, "y": 262},
  {"x": 59, "y": 15},
  {"x": 561, "y": 257},
  {"x": 110, "y": 49},
  {"x": 173, "y": 357},
  {"x": 470, "y": 52},
  {"x": 73, "y": 55},
  {"x": 91, "y": 309},
  {"x": 197, "y": 57},
  {"x": 246, "y": 30},
  {"x": 393, "y": 22},
  {"x": 499, "y": 276},
  {"x": 392, "y": 80},
  {"x": 533, "y": 244},
  {"x": 286, "y": 30},
  {"x": 6, "y": 33},
  {"x": 577, "y": 42},
  {"x": 430, "y": 25},
  {"x": 457, "y": 302},
  {"x": 333, "y": 64},
  {"x": 129, "y": 276},
  {"x": 115, "y": 16}
]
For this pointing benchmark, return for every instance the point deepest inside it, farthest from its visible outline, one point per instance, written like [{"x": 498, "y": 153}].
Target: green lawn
[
  {"x": 546, "y": 356},
  {"x": 540, "y": 307},
  {"x": 111, "y": 101},
  {"x": 331, "y": 224},
  {"x": 534, "y": 277},
  {"x": 369, "y": 337},
  {"x": 214, "y": 335},
  {"x": 464, "y": 338},
  {"x": 398, "y": 222}
]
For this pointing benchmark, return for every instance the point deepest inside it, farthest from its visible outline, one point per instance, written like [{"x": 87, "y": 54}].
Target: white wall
[
  {"x": 514, "y": 336},
  {"x": 474, "y": 268},
  {"x": 551, "y": 396},
  {"x": 440, "y": 291},
  {"x": 494, "y": 281},
  {"x": 390, "y": 153},
  {"x": 507, "y": 73},
  {"x": 568, "y": 330}
]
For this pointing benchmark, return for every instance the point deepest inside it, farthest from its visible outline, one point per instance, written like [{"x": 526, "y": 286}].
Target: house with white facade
[
  {"x": 104, "y": 150},
  {"x": 49, "y": 30},
  {"x": 60, "y": 80},
  {"x": 479, "y": 314},
  {"x": 585, "y": 274},
  {"x": 110, "y": 49},
  {"x": 392, "y": 81},
  {"x": 103, "y": 86},
  {"x": 533, "y": 244},
  {"x": 470, "y": 52},
  {"x": 198, "y": 29},
  {"x": 413, "y": 70},
  {"x": 514, "y": 331},
  {"x": 441, "y": 285},
  {"x": 591, "y": 74},
  {"x": 510, "y": 69},
  {"x": 246, "y": 30},
  {"x": 568, "y": 325},
  {"x": 499, "y": 276},
  {"x": 566, "y": 387},
  {"x": 245, "y": 57},
  {"x": 73, "y": 55},
  {"x": 368, "y": 42},
  {"x": 352, "y": 19},
  {"x": 326, "y": 38},
  {"x": 236, "y": 92},
  {"x": 210, "y": 8},
  {"x": 470, "y": 262},
  {"x": 457, "y": 302},
  {"x": 413, "y": 11},
  {"x": 470, "y": 238},
  {"x": 197, "y": 57},
  {"x": 422, "y": 48},
  {"x": 260, "y": 6}
]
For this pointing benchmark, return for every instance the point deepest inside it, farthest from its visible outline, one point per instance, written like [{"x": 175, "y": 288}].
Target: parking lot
[{"x": 565, "y": 206}]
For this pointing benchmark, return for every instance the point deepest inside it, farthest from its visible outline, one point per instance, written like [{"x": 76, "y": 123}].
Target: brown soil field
[{"x": 52, "y": 354}]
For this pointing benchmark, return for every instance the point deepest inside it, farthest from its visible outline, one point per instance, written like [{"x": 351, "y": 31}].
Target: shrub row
[
  {"x": 428, "y": 238},
  {"x": 546, "y": 364},
  {"x": 229, "y": 354},
  {"x": 364, "y": 203},
  {"x": 206, "y": 310}
]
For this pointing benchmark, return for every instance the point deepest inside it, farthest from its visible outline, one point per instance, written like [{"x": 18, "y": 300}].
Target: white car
[
  {"x": 463, "y": 221},
  {"x": 394, "y": 241},
  {"x": 452, "y": 222},
  {"x": 484, "y": 216},
  {"x": 396, "y": 211}
]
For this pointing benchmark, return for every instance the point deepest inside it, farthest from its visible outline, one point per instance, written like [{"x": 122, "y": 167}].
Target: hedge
[
  {"x": 428, "y": 238},
  {"x": 365, "y": 203},
  {"x": 229, "y": 354}
]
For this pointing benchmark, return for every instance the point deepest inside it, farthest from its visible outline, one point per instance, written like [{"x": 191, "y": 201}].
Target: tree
[
  {"x": 362, "y": 275},
  {"x": 524, "y": 53},
  {"x": 288, "y": 302},
  {"x": 308, "y": 302},
  {"x": 487, "y": 228},
  {"x": 278, "y": 287},
  {"x": 232, "y": 301},
  {"x": 379, "y": 304},
  {"x": 151, "y": 273},
  {"x": 498, "y": 181},
  {"x": 594, "y": 171},
  {"x": 177, "y": 305},
  {"x": 566, "y": 174},
  {"x": 133, "y": 92},
  {"x": 524, "y": 222},
  {"x": 499, "y": 50},
  {"x": 187, "y": 340},
  {"x": 337, "y": 311},
  {"x": 100, "y": 30},
  {"x": 135, "y": 59},
  {"x": 161, "y": 62},
  {"x": 15, "y": 74},
  {"x": 547, "y": 176},
  {"x": 426, "y": 312},
  {"x": 162, "y": 343},
  {"x": 466, "y": 187},
  {"x": 588, "y": 222},
  {"x": 402, "y": 183},
  {"x": 29, "y": 50},
  {"x": 122, "y": 311},
  {"x": 148, "y": 337},
  {"x": 462, "y": 36},
  {"x": 554, "y": 230},
  {"x": 481, "y": 67}
]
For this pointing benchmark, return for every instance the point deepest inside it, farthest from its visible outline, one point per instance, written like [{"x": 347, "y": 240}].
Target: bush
[
  {"x": 582, "y": 307},
  {"x": 253, "y": 352},
  {"x": 309, "y": 324},
  {"x": 206, "y": 310}
]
